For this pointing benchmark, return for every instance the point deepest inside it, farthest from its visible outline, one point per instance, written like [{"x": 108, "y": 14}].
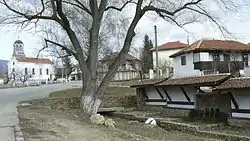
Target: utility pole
[{"x": 156, "y": 53}]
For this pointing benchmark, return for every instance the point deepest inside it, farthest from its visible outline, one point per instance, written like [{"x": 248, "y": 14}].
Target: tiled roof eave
[
  {"x": 207, "y": 49},
  {"x": 159, "y": 49}
]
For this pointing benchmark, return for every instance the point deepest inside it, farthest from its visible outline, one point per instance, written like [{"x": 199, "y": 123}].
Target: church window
[
  {"x": 47, "y": 71},
  {"x": 26, "y": 71},
  {"x": 41, "y": 71},
  {"x": 13, "y": 63},
  {"x": 13, "y": 69},
  {"x": 33, "y": 71}
]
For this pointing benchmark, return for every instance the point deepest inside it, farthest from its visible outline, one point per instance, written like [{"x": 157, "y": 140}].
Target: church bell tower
[{"x": 18, "y": 50}]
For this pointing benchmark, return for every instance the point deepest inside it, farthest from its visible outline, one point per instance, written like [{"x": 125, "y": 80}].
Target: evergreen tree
[{"x": 146, "y": 55}]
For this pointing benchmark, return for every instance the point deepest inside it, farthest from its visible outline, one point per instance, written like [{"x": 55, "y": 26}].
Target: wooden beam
[
  {"x": 245, "y": 111},
  {"x": 200, "y": 90},
  {"x": 181, "y": 103},
  {"x": 185, "y": 93},
  {"x": 144, "y": 92},
  {"x": 159, "y": 93},
  {"x": 234, "y": 101},
  {"x": 155, "y": 100},
  {"x": 166, "y": 93}
]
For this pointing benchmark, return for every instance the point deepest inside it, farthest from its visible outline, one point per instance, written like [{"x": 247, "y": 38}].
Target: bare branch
[
  {"x": 158, "y": 10},
  {"x": 32, "y": 17},
  {"x": 119, "y": 9},
  {"x": 205, "y": 13},
  {"x": 81, "y": 6},
  {"x": 40, "y": 50},
  {"x": 69, "y": 51}
]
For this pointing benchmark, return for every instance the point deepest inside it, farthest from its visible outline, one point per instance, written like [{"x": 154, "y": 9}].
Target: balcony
[{"x": 220, "y": 66}]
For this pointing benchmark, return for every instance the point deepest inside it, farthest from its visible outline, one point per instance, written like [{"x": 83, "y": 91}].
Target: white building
[
  {"x": 164, "y": 51},
  {"x": 21, "y": 67},
  {"x": 212, "y": 57},
  {"x": 217, "y": 70}
]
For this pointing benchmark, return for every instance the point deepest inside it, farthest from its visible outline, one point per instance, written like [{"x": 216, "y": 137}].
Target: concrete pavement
[{"x": 10, "y": 97}]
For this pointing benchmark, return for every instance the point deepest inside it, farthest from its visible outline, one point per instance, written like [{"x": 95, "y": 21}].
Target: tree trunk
[{"x": 90, "y": 99}]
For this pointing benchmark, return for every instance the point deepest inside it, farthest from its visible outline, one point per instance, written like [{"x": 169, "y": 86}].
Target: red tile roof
[
  {"x": 235, "y": 83},
  {"x": 214, "y": 45},
  {"x": 35, "y": 60},
  {"x": 205, "y": 80},
  {"x": 148, "y": 82},
  {"x": 171, "y": 45}
]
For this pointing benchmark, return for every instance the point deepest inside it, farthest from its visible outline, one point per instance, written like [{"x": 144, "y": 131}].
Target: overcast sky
[{"x": 238, "y": 24}]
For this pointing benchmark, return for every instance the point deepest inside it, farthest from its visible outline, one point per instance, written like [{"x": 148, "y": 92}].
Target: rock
[
  {"x": 151, "y": 121},
  {"x": 133, "y": 122},
  {"x": 24, "y": 104},
  {"x": 110, "y": 123},
  {"x": 97, "y": 119}
]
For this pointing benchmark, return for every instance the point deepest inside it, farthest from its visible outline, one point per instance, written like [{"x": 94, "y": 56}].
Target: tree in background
[{"x": 146, "y": 55}]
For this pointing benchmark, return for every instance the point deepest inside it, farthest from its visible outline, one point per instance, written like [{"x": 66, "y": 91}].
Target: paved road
[{"x": 10, "y": 97}]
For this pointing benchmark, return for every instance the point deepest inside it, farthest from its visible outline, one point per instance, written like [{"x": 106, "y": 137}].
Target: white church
[{"x": 27, "y": 69}]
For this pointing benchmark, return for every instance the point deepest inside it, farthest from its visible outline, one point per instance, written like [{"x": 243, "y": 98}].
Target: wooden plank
[
  {"x": 234, "y": 101},
  {"x": 159, "y": 93},
  {"x": 246, "y": 111},
  {"x": 144, "y": 92},
  {"x": 200, "y": 90},
  {"x": 155, "y": 100},
  {"x": 185, "y": 93},
  {"x": 166, "y": 93},
  {"x": 181, "y": 103}
]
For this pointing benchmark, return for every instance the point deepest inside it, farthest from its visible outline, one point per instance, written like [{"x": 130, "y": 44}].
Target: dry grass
[{"x": 114, "y": 91}]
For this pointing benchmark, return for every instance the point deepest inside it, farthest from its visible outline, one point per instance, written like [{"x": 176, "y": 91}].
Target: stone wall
[
  {"x": 119, "y": 101},
  {"x": 214, "y": 105},
  {"x": 140, "y": 97},
  {"x": 74, "y": 103}
]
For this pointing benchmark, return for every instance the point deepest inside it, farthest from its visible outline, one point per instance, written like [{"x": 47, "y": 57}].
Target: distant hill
[{"x": 3, "y": 67}]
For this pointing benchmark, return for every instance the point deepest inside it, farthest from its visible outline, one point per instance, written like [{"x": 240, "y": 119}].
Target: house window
[
  {"x": 33, "y": 71},
  {"x": 41, "y": 71},
  {"x": 216, "y": 57},
  {"x": 26, "y": 71},
  {"x": 47, "y": 71},
  {"x": 123, "y": 66},
  {"x": 226, "y": 57},
  {"x": 183, "y": 60},
  {"x": 245, "y": 59}
]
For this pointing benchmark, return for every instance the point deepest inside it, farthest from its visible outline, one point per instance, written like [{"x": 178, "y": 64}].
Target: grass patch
[{"x": 114, "y": 91}]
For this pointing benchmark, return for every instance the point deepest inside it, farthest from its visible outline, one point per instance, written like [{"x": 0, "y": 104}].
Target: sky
[{"x": 238, "y": 24}]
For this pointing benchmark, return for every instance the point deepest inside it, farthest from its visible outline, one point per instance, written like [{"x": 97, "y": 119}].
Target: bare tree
[
  {"x": 23, "y": 77},
  {"x": 19, "y": 75},
  {"x": 85, "y": 49}
]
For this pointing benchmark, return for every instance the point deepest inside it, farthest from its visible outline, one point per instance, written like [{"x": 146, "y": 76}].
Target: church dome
[{"x": 18, "y": 42}]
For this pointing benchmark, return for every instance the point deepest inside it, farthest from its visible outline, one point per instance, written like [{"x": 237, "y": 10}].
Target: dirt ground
[{"x": 43, "y": 124}]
